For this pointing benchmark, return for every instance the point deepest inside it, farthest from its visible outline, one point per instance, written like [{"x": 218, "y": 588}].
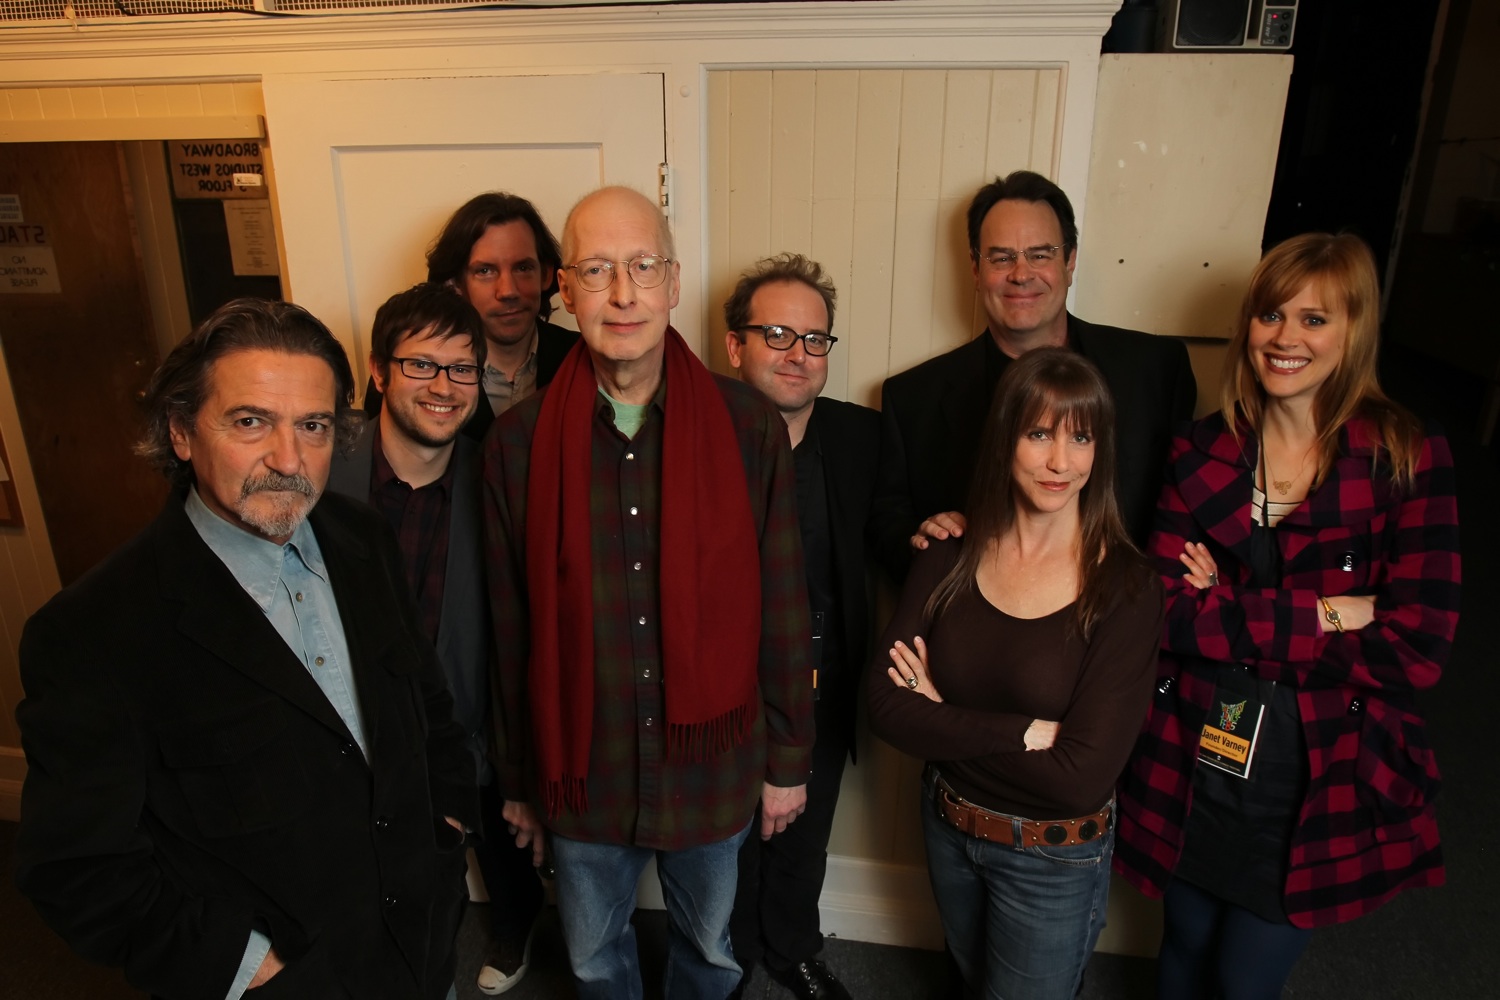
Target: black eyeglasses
[
  {"x": 781, "y": 338},
  {"x": 424, "y": 370}
]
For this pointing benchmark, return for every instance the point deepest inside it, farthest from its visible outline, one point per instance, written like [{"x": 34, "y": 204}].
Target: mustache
[{"x": 276, "y": 482}]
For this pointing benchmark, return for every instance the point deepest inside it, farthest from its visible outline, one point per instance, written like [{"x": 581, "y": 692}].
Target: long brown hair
[
  {"x": 1049, "y": 385},
  {"x": 1343, "y": 269}
]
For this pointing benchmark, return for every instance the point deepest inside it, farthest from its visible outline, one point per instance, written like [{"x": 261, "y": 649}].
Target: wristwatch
[{"x": 1334, "y": 618}]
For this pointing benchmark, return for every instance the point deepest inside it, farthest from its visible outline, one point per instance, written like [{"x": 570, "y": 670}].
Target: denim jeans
[
  {"x": 1021, "y": 922},
  {"x": 596, "y": 897}
]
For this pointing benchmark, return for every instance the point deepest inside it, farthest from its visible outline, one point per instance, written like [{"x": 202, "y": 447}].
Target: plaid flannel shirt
[
  {"x": 635, "y": 796},
  {"x": 1367, "y": 827}
]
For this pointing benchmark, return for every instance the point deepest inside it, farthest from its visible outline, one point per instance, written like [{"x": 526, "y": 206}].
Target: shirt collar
[
  {"x": 382, "y": 475},
  {"x": 526, "y": 366},
  {"x": 254, "y": 562}
]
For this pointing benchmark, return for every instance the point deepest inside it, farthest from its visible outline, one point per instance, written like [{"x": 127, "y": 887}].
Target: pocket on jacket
[
  {"x": 309, "y": 976},
  {"x": 1396, "y": 776},
  {"x": 239, "y": 771}
]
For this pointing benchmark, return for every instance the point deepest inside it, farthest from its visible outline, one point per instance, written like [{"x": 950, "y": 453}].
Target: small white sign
[
  {"x": 27, "y": 265},
  {"x": 252, "y": 237},
  {"x": 10, "y": 208}
]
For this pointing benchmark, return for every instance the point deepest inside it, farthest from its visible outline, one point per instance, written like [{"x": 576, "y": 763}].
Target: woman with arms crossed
[
  {"x": 1308, "y": 534},
  {"x": 1019, "y": 666}
]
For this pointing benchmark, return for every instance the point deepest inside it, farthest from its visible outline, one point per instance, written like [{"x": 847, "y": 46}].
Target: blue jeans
[
  {"x": 1021, "y": 922},
  {"x": 596, "y": 897}
]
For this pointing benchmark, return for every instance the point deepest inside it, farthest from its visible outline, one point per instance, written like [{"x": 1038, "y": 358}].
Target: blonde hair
[{"x": 1343, "y": 269}]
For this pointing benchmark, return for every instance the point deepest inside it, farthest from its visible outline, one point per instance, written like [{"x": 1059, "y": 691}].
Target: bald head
[{"x": 616, "y": 200}]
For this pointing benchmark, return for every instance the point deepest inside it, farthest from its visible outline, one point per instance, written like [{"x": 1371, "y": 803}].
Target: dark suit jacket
[
  {"x": 932, "y": 417},
  {"x": 464, "y": 628},
  {"x": 850, "y": 439},
  {"x": 552, "y": 345},
  {"x": 188, "y": 780}
]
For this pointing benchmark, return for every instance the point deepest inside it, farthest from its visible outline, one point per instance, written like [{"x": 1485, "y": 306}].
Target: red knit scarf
[{"x": 710, "y": 574}]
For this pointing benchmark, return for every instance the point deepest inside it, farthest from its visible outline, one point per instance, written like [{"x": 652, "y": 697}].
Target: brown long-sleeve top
[{"x": 996, "y": 673}]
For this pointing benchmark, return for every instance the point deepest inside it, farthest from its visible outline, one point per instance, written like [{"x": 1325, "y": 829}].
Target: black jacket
[
  {"x": 188, "y": 780},
  {"x": 463, "y": 639},
  {"x": 932, "y": 417},
  {"x": 850, "y": 438}
]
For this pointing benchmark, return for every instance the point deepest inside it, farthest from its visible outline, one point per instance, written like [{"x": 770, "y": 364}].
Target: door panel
[
  {"x": 79, "y": 358},
  {"x": 365, "y": 172}
]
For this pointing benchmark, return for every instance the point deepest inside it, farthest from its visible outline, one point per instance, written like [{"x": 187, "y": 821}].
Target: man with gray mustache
[{"x": 243, "y": 768}]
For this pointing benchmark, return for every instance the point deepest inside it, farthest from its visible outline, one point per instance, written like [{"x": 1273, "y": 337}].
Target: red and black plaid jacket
[{"x": 1367, "y": 828}]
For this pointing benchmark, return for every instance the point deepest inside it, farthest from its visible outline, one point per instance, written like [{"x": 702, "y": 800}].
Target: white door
[{"x": 365, "y": 172}]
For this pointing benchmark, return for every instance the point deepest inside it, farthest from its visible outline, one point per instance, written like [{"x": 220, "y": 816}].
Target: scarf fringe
[
  {"x": 565, "y": 793},
  {"x": 696, "y": 742}
]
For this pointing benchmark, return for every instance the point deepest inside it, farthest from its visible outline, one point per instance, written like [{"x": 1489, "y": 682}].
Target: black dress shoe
[{"x": 811, "y": 980}]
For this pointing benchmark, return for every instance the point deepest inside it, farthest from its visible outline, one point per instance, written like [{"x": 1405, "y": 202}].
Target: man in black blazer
[
  {"x": 1023, "y": 246},
  {"x": 427, "y": 350},
  {"x": 500, "y": 256},
  {"x": 779, "y": 321},
  {"x": 243, "y": 769}
]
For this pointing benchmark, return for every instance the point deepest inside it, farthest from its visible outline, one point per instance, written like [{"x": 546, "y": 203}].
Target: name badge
[{"x": 1231, "y": 730}]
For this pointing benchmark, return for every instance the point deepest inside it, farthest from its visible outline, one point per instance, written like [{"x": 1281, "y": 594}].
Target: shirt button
[
  {"x": 347, "y": 749},
  {"x": 389, "y": 901},
  {"x": 634, "y": 510},
  {"x": 641, "y": 620},
  {"x": 299, "y": 595},
  {"x": 318, "y": 660},
  {"x": 637, "y": 566},
  {"x": 646, "y": 672},
  {"x": 382, "y": 823},
  {"x": 630, "y": 456},
  {"x": 650, "y": 722}
]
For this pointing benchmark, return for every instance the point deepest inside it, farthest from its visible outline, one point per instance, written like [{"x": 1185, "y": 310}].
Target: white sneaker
[{"x": 505, "y": 968}]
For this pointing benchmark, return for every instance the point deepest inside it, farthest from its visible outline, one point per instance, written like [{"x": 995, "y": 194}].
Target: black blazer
[
  {"x": 463, "y": 639},
  {"x": 932, "y": 417},
  {"x": 552, "y": 345},
  {"x": 850, "y": 438},
  {"x": 188, "y": 780}
]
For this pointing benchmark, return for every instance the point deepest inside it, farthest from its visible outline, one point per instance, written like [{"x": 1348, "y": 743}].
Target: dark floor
[{"x": 1430, "y": 943}]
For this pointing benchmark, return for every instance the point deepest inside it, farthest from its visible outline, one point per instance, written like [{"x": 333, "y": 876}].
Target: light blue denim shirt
[{"x": 290, "y": 585}]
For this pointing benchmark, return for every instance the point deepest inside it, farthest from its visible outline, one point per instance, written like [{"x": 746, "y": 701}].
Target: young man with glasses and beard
[{"x": 413, "y": 464}]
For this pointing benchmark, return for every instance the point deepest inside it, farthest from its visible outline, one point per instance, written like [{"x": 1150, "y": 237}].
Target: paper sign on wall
[
  {"x": 224, "y": 168},
  {"x": 10, "y": 208},
  {"x": 27, "y": 265},
  {"x": 252, "y": 237}
]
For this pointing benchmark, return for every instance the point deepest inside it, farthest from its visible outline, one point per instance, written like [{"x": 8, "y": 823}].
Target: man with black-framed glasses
[
  {"x": 412, "y": 463},
  {"x": 779, "y": 319},
  {"x": 1023, "y": 250}
]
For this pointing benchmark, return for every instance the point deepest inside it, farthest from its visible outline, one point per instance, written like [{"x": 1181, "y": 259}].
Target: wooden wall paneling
[
  {"x": 1012, "y": 128},
  {"x": 719, "y": 167},
  {"x": 1046, "y": 122},
  {"x": 750, "y": 157},
  {"x": 857, "y": 373},
  {"x": 917, "y": 240},
  {"x": 965, "y": 150},
  {"x": 836, "y": 112},
  {"x": 793, "y": 134}
]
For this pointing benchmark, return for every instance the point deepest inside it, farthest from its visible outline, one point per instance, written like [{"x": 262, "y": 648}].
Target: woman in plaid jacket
[{"x": 1308, "y": 538}]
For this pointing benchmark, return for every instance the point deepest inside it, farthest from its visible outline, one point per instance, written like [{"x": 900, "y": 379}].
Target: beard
[
  {"x": 275, "y": 505},
  {"x": 405, "y": 414}
]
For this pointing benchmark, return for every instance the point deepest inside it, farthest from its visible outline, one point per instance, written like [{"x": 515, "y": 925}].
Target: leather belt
[{"x": 999, "y": 828}]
